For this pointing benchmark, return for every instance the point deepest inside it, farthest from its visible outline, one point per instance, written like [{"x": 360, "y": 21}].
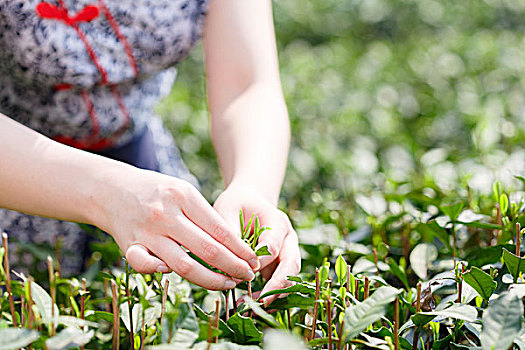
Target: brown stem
[
  {"x": 396, "y": 324},
  {"x": 164, "y": 298},
  {"x": 250, "y": 289},
  {"x": 234, "y": 301},
  {"x": 415, "y": 339},
  {"x": 329, "y": 321},
  {"x": 367, "y": 288},
  {"x": 340, "y": 336},
  {"x": 316, "y": 302},
  {"x": 53, "y": 292},
  {"x": 357, "y": 289},
  {"x": 460, "y": 287},
  {"x": 143, "y": 330},
  {"x": 289, "y": 316},
  {"x": 116, "y": 316},
  {"x": 518, "y": 244},
  {"x": 418, "y": 300},
  {"x": 217, "y": 309},
  {"x": 8, "y": 279}
]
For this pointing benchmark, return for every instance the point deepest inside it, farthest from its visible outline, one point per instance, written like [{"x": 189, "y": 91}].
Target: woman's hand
[
  {"x": 281, "y": 240},
  {"x": 151, "y": 216}
]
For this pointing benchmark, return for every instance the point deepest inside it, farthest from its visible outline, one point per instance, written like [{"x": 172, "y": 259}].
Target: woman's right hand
[{"x": 152, "y": 215}]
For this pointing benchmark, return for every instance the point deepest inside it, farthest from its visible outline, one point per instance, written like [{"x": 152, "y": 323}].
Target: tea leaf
[
  {"x": 262, "y": 251},
  {"x": 244, "y": 330},
  {"x": 501, "y": 323},
  {"x": 423, "y": 255},
  {"x": 480, "y": 281},
  {"x": 515, "y": 264},
  {"x": 16, "y": 338},
  {"x": 455, "y": 311},
  {"x": 341, "y": 269},
  {"x": 358, "y": 317},
  {"x": 69, "y": 338},
  {"x": 452, "y": 210}
]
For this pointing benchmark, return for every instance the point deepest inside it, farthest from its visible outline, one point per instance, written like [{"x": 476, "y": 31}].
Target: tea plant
[{"x": 450, "y": 280}]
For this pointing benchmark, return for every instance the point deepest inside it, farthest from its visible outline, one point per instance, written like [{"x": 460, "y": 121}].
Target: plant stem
[
  {"x": 106, "y": 293},
  {"x": 116, "y": 316},
  {"x": 518, "y": 244},
  {"x": 418, "y": 300},
  {"x": 217, "y": 309},
  {"x": 367, "y": 288},
  {"x": 329, "y": 321},
  {"x": 357, "y": 289},
  {"x": 164, "y": 298},
  {"x": 53, "y": 292},
  {"x": 8, "y": 278},
  {"x": 234, "y": 301},
  {"x": 29, "y": 303},
  {"x": 128, "y": 294},
  {"x": 454, "y": 243},
  {"x": 250, "y": 289},
  {"x": 210, "y": 331},
  {"x": 316, "y": 303},
  {"x": 22, "y": 307},
  {"x": 340, "y": 336},
  {"x": 396, "y": 324},
  {"x": 227, "y": 305},
  {"x": 289, "y": 317},
  {"x": 83, "y": 303}
]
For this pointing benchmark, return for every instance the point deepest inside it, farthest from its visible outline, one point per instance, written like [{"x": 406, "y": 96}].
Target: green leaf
[
  {"x": 293, "y": 300},
  {"x": 482, "y": 256},
  {"x": 262, "y": 251},
  {"x": 433, "y": 229},
  {"x": 244, "y": 330},
  {"x": 515, "y": 264},
  {"x": 296, "y": 288},
  {"x": 269, "y": 319},
  {"x": 480, "y": 281},
  {"x": 501, "y": 323},
  {"x": 16, "y": 338},
  {"x": 396, "y": 270},
  {"x": 358, "y": 317},
  {"x": 456, "y": 311},
  {"x": 69, "y": 338},
  {"x": 241, "y": 220},
  {"x": 503, "y": 204},
  {"x": 421, "y": 257},
  {"x": 452, "y": 210},
  {"x": 43, "y": 302},
  {"x": 341, "y": 269}
]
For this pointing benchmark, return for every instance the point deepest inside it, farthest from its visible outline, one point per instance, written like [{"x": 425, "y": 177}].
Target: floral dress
[{"x": 88, "y": 73}]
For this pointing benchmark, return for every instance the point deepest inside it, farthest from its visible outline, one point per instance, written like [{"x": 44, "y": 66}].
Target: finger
[
  {"x": 201, "y": 213},
  {"x": 211, "y": 251},
  {"x": 183, "y": 265},
  {"x": 290, "y": 264},
  {"x": 274, "y": 238},
  {"x": 140, "y": 259}
]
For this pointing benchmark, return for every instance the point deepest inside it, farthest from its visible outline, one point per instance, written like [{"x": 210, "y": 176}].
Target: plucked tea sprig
[{"x": 257, "y": 231}]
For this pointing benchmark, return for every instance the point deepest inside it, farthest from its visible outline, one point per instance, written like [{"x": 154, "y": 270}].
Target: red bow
[{"x": 87, "y": 14}]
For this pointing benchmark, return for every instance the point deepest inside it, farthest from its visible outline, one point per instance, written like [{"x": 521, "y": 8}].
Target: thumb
[{"x": 140, "y": 259}]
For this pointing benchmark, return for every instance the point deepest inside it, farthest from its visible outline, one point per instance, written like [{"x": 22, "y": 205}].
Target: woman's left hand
[{"x": 281, "y": 240}]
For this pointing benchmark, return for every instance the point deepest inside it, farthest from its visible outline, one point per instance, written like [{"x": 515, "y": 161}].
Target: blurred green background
[{"x": 384, "y": 96}]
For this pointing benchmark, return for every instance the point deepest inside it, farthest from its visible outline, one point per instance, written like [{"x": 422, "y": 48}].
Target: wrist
[{"x": 244, "y": 185}]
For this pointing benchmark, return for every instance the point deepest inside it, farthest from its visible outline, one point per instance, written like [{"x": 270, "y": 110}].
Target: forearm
[
  {"x": 251, "y": 136},
  {"x": 41, "y": 177}
]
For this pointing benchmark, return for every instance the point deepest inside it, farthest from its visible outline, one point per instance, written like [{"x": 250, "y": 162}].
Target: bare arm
[
  {"x": 250, "y": 127},
  {"x": 150, "y": 215},
  {"x": 249, "y": 124}
]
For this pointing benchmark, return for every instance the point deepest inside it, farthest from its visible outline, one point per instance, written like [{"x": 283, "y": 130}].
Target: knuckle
[
  {"x": 210, "y": 251},
  {"x": 184, "y": 266},
  {"x": 220, "y": 232},
  {"x": 182, "y": 191}
]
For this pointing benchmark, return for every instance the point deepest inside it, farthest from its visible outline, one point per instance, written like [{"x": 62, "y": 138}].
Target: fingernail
[
  {"x": 255, "y": 264},
  {"x": 229, "y": 284},
  {"x": 162, "y": 268},
  {"x": 249, "y": 276}
]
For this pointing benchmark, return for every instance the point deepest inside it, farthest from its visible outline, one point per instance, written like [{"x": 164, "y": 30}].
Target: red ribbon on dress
[{"x": 87, "y": 14}]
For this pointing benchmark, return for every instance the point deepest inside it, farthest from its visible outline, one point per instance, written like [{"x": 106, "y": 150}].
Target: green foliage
[
  {"x": 501, "y": 323},
  {"x": 481, "y": 281}
]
